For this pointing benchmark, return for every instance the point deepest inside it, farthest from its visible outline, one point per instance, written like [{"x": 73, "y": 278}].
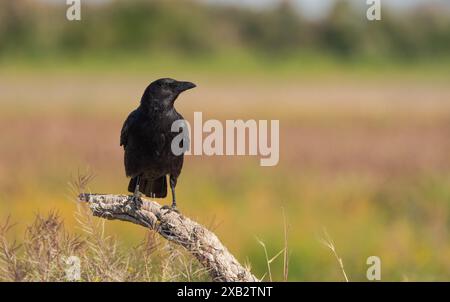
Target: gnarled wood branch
[{"x": 200, "y": 242}]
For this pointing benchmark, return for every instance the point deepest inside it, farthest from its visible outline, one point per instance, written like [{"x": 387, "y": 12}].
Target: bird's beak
[{"x": 183, "y": 86}]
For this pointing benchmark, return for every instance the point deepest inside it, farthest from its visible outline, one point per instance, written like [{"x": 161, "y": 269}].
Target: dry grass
[
  {"x": 42, "y": 253},
  {"x": 328, "y": 242},
  {"x": 284, "y": 252}
]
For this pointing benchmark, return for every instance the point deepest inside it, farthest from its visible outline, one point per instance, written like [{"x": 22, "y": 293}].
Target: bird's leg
[
  {"x": 137, "y": 195},
  {"x": 173, "y": 183}
]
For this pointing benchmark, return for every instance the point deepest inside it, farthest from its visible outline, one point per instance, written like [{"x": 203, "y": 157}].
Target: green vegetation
[{"x": 194, "y": 31}]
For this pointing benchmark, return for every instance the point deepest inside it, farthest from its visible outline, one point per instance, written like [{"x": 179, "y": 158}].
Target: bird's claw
[
  {"x": 170, "y": 209},
  {"x": 137, "y": 201}
]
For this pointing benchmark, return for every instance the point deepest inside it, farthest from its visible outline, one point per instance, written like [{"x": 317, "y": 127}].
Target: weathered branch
[{"x": 200, "y": 242}]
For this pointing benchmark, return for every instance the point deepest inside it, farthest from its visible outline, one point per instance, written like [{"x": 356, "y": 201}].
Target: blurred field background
[{"x": 364, "y": 110}]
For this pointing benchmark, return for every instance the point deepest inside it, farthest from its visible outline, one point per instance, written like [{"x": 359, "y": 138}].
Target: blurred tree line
[{"x": 37, "y": 28}]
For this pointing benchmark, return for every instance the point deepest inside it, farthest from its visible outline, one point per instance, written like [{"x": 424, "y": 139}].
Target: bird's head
[{"x": 164, "y": 92}]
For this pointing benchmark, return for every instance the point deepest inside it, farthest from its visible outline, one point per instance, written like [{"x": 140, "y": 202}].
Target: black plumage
[{"x": 147, "y": 137}]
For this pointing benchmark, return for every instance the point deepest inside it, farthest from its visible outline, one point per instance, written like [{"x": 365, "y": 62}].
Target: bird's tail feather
[{"x": 151, "y": 188}]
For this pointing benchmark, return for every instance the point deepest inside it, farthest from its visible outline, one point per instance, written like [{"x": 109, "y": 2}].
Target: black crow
[{"x": 147, "y": 137}]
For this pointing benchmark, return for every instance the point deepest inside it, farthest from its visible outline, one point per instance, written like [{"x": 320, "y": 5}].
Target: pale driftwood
[{"x": 200, "y": 242}]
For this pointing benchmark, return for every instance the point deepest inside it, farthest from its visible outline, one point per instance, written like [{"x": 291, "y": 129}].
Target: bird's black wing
[{"x": 127, "y": 125}]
